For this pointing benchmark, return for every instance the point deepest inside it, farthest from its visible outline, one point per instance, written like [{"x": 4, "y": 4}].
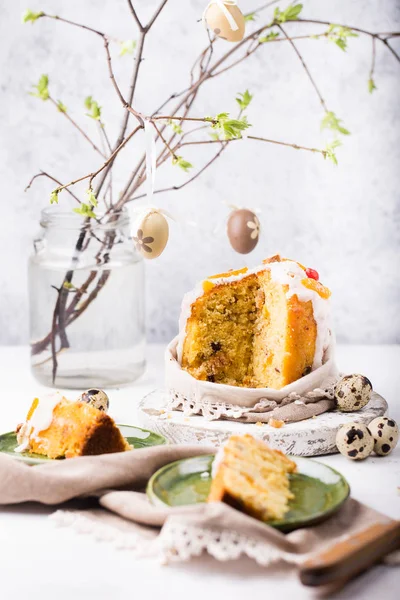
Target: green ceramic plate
[
  {"x": 137, "y": 437},
  {"x": 319, "y": 490}
]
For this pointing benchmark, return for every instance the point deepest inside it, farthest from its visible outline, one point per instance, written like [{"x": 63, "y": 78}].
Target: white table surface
[{"x": 38, "y": 560}]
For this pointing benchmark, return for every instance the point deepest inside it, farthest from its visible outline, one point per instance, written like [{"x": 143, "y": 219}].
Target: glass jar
[{"x": 86, "y": 294}]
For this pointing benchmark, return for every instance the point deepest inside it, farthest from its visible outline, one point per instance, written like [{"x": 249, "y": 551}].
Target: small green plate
[
  {"x": 319, "y": 490},
  {"x": 137, "y": 437}
]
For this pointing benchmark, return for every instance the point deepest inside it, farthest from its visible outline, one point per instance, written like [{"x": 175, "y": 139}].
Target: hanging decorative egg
[
  {"x": 225, "y": 19},
  {"x": 243, "y": 230},
  {"x": 151, "y": 234}
]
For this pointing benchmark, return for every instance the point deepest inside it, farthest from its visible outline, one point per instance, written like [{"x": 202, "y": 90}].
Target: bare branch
[
  {"x": 75, "y": 124},
  {"x": 155, "y": 16},
  {"x": 359, "y": 30},
  {"x": 164, "y": 140},
  {"x": 295, "y": 146},
  {"x": 310, "y": 77},
  {"x": 109, "y": 160},
  {"x": 371, "y": 71},
  {"x": 134, "y": 14},
  {"x": 390, "y": 48},
  {"x": 44, "y": 174},
  {"x": 132, "y": 89}
]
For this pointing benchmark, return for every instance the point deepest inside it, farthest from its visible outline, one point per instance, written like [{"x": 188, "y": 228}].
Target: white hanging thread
[
  {"x": 151, "y": 166},
  {"x": 232, "y": 23},
  {"x": 151, "y": 160}
]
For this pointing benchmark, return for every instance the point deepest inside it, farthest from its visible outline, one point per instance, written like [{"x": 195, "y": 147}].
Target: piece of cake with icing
[
  {"x": 58, "y": 428},
  {"x": 262, "y": 327}
]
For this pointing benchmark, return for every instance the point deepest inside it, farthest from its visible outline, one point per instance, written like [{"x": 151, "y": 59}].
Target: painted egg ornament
[
  {"x": 225, "y": 19},
  {"x": 96, "y": 398},
  {"x": 355, "y": 441},
  {"x": 352, "y": 392},
  {"x": 243, "y": 229},
  {"x": 385, "y": 433},
  {"x": 151, "y": 235}
]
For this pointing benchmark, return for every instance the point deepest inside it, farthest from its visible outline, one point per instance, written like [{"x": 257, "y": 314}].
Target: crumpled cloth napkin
[{"x": 126, "y": 518}]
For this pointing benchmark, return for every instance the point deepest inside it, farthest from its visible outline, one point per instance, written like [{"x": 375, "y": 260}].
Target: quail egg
[
  {"x": 352, "y": 392},
  {"x": 385, "y": 433},
  {"x": 96, "y": 398},
  {"x": 355, "y": 441}
]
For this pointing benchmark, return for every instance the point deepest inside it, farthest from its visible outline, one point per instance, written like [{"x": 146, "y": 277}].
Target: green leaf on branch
[
  {"x": 339, "y": 35},
  {"x": 289, "y": 14},
  {"x": 244, "y": 99},
  {"x": 54, "y": 196},
  {"x": 93, "y": 107},
  {"x": 330, "y": 121},
  {"x": 176, "y": 128},
  {"x": 182, "y": 163},
  {"x": 91, "y": 197},
  {"x": 329, "y": 151},
  {"x": 127, "y": 47},
  {"x": 61, "y": 107},
  {"x": 250, "y": 17},
  {"x": 31, "y": 16},
  {"x": 268, "y": 38},
  {"x": 371, "y": 85},
  {"x": 85, "y": 210},
  {"x": 228, "y": 129},
  {"x": 42, "y": 88},
  {"x": 69, "y": 286}
]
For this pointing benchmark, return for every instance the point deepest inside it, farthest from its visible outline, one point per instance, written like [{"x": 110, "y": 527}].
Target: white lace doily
[
  {"x": 177, "y": 542},
  {"x": 262, "y": 411}
]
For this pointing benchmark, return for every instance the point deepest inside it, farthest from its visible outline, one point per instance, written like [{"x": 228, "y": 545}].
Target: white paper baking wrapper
[{"x": 179, "y": 381}]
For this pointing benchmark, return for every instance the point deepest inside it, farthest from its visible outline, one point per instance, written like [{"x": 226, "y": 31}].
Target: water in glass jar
[{"x": 106, "y": 341}]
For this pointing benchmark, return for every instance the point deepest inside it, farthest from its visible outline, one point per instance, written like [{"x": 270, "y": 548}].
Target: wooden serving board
[{"x": 311, "y": 437}]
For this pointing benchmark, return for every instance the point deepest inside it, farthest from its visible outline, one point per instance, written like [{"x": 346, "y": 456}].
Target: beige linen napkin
[{"x": 126, "y": 518}]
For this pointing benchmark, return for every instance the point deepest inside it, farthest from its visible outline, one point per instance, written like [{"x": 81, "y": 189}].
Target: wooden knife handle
[{"x": 346, "y": 559}]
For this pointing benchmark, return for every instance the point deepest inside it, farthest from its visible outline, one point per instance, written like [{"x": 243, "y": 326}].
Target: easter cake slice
[
  {"x": 261, "y": 327},
  {"x": 58, "y": 428},
  {"x": 252, "y": 477}
]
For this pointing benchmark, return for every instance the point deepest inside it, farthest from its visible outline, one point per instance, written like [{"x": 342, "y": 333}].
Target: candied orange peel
[
  {"x": 229, "y": 273},
  {"x": 316, "y": 286},
  {"x": 276, "y": 423},
  {"x": 208, "y": 284},
  {"x": 32, "y": 408}
]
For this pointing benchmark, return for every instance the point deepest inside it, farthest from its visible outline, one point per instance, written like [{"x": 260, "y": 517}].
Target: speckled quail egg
[
  {"x": 352, "y": 392},
  {"x": 385, "y": 433},
  {"x": 96, "y": 398},
  {"x": 355, "y": 441}
]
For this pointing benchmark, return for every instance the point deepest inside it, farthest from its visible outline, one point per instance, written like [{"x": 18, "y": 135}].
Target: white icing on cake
[
  {"x": 286, "y": 272},
  {"x": 40, "y": 420}
]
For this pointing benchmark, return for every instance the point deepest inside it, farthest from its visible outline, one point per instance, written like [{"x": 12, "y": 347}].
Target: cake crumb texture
[{"x": 253, "y": 478}]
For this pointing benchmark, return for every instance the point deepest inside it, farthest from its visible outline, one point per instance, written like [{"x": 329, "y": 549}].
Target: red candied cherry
[{"x": 313, "y": 274}]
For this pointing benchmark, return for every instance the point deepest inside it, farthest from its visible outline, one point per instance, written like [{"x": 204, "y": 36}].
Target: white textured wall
[{"x": 343, "y": 221}]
